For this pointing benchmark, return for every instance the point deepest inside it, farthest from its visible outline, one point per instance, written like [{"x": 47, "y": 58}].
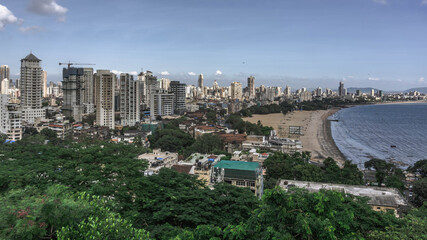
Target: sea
[{"x": 396, "y": 133}]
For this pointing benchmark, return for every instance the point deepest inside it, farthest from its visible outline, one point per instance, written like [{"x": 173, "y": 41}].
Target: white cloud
[
  {"x": 133, "y": 73},
  {"x": 116, "y": 72},
  {"x": 48, "y": 7},
  {"x": 31, "y": 29},
  {"x": 164, "y": 73},
  {"x": 373, "y": 79},
  {"x": 192, "y": 73},
  {"x": 7, "y": 17},
  {"x": 421, "y": 80},
  {"x": 218, "y": 73},
  {"x": 424, "y": 2},
  {"x": 383, "y": 2}
]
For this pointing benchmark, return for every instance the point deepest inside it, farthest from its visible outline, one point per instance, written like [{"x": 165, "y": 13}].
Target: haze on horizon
[{"x": 305, "y": 43}]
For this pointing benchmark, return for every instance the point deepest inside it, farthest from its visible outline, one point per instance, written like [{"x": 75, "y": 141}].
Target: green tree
[
  {"x": 48, "y": 133},
  {"x": 31, "y": 213},
  {"x": 112, "y": 227}
]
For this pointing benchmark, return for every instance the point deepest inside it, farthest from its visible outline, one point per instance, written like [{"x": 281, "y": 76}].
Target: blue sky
[{"x": 302, "y": 43}]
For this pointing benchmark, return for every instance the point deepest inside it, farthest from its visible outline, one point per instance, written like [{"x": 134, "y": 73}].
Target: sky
[{"x": 300, "y": 43}]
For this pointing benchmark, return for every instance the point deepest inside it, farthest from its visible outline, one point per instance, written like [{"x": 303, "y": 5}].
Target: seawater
[{"x": 370, "y": 131}]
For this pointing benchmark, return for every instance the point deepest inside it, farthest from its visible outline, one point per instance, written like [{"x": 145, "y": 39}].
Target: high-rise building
[
  {"x": 251, "y": 86},
  {"x": 10, "y": 119},
  {"x": 44, "y": 80},
  {"x": 161, "y": 104},
  {"x": 88, "y": 89},
  {"x": 152, "y": 86},
  {"x": 5, "y": 86},
  {"x": 73, "y": 93},
  {"x": 236, "y": 90},
  {"x": 165, "y": 83},
  {"x": 341, "y": 89},
  {"x": 288, "y": 91},
  {"x": 4, "y": 72},
  {"x": 31, "y": 88},
  {"x": 178, "y": 90},
  {"x": 129, "y": 100},
  {"x": 200, "y": 82},
  {"x": 104, "y": 89},
  {"x": 373, "y": 92}
]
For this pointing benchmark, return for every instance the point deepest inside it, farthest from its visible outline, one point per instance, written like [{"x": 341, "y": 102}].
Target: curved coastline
[{"x": 362, "y": 154}]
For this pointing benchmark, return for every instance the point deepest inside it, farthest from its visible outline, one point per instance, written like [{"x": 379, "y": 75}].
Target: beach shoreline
[{"x": 317, "y": 136}]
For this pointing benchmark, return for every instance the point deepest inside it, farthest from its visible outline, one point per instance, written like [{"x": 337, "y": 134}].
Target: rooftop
[
  {"x": 239, "y": 165},
  {"x": 378, "y": 195},
  {"x": 31, "y": 57}
]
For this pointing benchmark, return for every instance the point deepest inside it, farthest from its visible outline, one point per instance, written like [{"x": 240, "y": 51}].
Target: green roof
[{"x": 227, "y": 164}]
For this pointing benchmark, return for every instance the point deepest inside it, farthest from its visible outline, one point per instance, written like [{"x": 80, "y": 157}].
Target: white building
[
  {"x": 10, "y": 119},
  {"x": 31, "y": 88},
  {"x": 236, "y": 90}
]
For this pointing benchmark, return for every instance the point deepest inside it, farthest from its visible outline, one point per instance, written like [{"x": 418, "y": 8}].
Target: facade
[
  {"x": 5, "y": 86},
  {"x": 380, "y": 199},
  {"x": 88, "y": 90},
  {"x": 240, "y": 174},
  {"x": 236, "y": 90},
  {"x": 200, "y": 82},
  {"x": 44, "y": 80},
  {"x": 251, "y": 86},
  {"x": 161, "y": 104},
  {"x": 178, "y": 90},
  {"x": 129, "y": 100},
  {"x": 10, "y": 119},
  {"x": 104, "y": 89},
  {"x": 4, "y": 72},
  {"x": 341, "y": 90},
  {"x": 73, "y": 92},
  {"x": 287, "y": 91},
  {"x": 31, "y": 88}
]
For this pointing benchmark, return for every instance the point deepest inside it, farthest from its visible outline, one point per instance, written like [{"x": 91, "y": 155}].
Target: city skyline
[{"x": 368, "y": 43}]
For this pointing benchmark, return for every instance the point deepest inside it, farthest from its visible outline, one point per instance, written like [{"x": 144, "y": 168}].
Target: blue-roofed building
[{"x": 240, "y": 174}]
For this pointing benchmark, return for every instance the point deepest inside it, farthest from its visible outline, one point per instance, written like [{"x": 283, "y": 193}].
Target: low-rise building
[
  {"x": 158, "y": 160},
  {"x": 240, "y": 174},
  {"x": 380, "y": 198}
]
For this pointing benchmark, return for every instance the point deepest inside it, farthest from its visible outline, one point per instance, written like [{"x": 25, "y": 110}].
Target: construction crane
[{"x": 70, "y": 63}]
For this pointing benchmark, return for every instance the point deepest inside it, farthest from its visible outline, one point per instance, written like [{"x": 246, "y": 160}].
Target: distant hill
[
  {"x": 363, "y": 90},
  {"x": 420, "y": 89}
]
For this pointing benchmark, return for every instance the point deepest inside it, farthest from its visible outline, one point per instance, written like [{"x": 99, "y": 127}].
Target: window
[{"x": 240, "y": 183}]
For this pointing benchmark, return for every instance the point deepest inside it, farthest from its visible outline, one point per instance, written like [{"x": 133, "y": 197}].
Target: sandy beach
[{"x": 316, "y": 135}]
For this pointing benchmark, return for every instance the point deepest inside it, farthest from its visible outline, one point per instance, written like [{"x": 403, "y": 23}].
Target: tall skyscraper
[
  {"x": 88, "y": 86},
  {"x": 251, "y": 86},
  {"x": 341, "y": 89},
  {"x": 31, "y": 88},
  {"x": 104, "y": 89},
  {"x": 73, "y": 87},
  {"x": 129, "y": 100},
  {"x": 152, "y": 86},
  {"x": 236, "y": 90},
  {"x": 44, "y": 80},
  {"x": 178, "y": 89},
  {"x": 200, "y": 82}
]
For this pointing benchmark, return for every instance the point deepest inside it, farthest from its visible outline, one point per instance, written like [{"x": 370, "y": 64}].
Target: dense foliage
[
  {"x": 387, "y": 173},
  {"x": 297, "y": 167},
  {"x": 420, "y": 185},
  {"x": 99, "y": 191},
  {"x": 246, "y": 127},
  {"x": 260, "y": 109}
]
